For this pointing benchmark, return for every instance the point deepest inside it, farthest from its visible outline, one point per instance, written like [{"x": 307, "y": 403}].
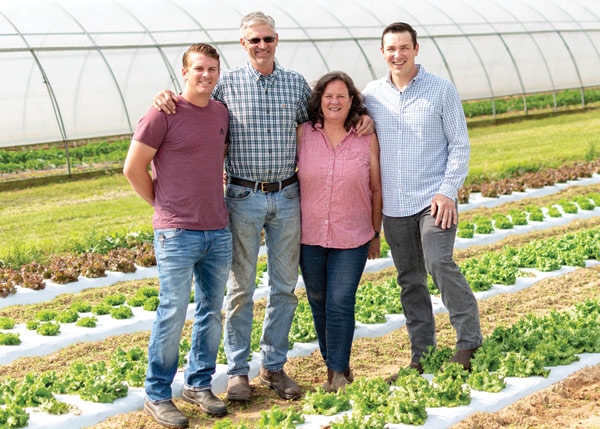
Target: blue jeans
[
  {"x": 331, "y": 277},
  {"x": 182, "y": 255},
  {"x": 419, "y": 246},
  {"x": 251, "y": 210}
]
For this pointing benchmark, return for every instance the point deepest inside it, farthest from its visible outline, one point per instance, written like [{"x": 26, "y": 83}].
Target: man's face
[
  {"x": 201, "y": 74},
  {"x": 399, "y": 54},
  {"x": 261, "y": 53}
]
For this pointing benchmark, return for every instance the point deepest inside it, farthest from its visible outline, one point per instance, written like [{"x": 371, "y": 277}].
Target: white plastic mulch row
[
  {"x": 476, "y": 200},
  {"x": 92, "y": 413}
]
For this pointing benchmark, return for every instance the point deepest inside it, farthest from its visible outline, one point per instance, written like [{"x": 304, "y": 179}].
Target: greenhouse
[{"x": 75, "y": 70}]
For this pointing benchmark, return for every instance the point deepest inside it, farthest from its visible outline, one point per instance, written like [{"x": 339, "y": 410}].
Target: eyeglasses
[{"x": 256, "y": 40}]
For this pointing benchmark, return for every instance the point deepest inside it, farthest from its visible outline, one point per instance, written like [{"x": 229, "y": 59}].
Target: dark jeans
[
  {"x": 419, "y": 246},
  {"x": 331, "y": 278}
]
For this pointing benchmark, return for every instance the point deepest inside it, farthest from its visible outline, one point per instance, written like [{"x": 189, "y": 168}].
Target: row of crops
[
  {"x": 529, "y": 180},
  {"x": 532, "y": 213},
  {"x": 45, "y": 159},
  {"x": 570, "y": 97}
]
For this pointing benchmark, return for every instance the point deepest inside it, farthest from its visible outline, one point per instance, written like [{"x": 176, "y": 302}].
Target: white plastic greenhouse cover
[{"x": 75, "y": 69}]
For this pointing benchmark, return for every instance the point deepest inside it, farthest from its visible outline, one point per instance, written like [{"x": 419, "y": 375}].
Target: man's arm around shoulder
[{"x": 135, "y": 169}]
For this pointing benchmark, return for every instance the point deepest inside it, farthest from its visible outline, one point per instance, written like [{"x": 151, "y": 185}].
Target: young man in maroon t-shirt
[{"x": 191, "y": 234}]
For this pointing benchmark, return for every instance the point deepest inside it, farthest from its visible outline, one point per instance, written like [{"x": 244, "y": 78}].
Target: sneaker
[
  {"x": 280, "y": 382},
  {"x": 206, "y": 400},
  {"x": 238, "y": 389},
  {"x": 166, "y": 413},
  {"x": 463, "y": 357}
]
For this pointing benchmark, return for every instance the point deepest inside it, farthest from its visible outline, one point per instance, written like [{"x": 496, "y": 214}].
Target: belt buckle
[{"x": 262, "y": 186}]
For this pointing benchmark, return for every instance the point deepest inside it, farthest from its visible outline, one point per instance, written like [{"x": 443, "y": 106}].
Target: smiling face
[
  {"x": 200, "y": 75},
  {"x": 399, "y": 53},
  {"x": 261, "y": 54},
  {"x": 336, "y": 102}
]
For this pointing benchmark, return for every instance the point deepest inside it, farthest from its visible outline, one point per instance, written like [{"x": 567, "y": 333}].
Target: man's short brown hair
[
  {"x": 400, "y": 27},
  {"x": 201, "y": 48}
]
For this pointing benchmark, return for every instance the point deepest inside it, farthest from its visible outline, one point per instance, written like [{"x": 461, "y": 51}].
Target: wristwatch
[{"x": 376, "y": 234}]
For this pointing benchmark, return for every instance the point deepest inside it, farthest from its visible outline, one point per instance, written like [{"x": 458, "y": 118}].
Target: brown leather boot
[
  {"x": 463, "y": 357},
  {"x": 337, "y": 380},
  {"x": 166, "y": 413},
  {"x": 280, "y": 382},
  {"x": 238, "y": 389}
]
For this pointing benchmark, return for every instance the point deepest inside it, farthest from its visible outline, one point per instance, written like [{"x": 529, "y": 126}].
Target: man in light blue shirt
[{"x": 425, "y": 149}]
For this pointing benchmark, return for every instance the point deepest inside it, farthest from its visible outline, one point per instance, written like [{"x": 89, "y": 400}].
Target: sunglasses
[{"x": 256, "y": 40}]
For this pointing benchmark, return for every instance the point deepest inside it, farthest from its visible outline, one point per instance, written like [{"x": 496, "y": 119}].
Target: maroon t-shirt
[{"x": 188, "y": 165}]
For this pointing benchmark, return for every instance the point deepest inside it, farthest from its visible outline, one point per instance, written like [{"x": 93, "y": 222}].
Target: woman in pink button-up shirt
[{"x": 340, "y": 200}]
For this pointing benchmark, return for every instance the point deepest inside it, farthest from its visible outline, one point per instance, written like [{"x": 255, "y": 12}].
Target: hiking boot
[
  {"x": 337, "y": 381},
  {"x": 206, "y": 400},
  {"x": 463, "y": 357},
  {"x": 413, "y": 365},
  {"x": 238, "y": 389},
  {"x": 166, "y": 413},
  {"x": 280, "y": 382}
]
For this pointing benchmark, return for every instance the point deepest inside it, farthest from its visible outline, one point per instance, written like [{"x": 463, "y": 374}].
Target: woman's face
[{"x": 335, "y": 101}]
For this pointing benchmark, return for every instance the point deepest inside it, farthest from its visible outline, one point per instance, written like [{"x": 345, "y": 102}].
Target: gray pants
[{"x": 419, "y": 246}]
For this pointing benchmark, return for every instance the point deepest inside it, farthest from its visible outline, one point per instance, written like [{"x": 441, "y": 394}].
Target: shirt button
[
  {"x": 326, "y": 221},
  {"x": 268, "y": 131},
  {"x": 267, "y": 111},
  {"x": 270, "y": 150},
  {"x": 266, "y": 91}
]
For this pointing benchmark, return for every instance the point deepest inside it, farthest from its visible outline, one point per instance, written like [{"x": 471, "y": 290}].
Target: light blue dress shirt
[{"x": 423, "y": 139}]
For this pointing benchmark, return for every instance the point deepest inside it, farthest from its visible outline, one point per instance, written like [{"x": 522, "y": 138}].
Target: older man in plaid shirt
[
  {"x": 266, "y": 102},
  {"x": 424, "y": 145}
]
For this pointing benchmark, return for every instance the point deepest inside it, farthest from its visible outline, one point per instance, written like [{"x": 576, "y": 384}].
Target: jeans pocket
[
  {"x": 292, "y": 191},
  {"x": 166, "y": 234},
  {"x": 238, "y": 193}
]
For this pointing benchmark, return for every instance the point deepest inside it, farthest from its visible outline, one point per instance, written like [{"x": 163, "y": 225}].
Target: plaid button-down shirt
[
  {"x": 263, "y": 114},
  {"x": 423, "y": 141}
]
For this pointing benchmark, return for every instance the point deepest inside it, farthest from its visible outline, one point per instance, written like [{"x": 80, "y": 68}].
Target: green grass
[
  {"x": 531, "y": 144},
  {"x": 57, "y": 218}
]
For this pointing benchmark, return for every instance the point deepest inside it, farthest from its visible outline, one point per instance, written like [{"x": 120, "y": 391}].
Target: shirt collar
[
  {"x": 256, "y": 75},
  {"x": 420, "y": 74}
]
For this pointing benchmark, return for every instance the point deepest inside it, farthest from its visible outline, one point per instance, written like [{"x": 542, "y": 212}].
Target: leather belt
[{"x": 264, "y": 186}]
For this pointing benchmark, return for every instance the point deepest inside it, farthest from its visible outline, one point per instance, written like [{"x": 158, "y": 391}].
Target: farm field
[{"x": 526, "y": 271}]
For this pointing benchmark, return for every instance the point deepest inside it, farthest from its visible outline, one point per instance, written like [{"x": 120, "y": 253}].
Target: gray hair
[{"x": 256, "y": 18}]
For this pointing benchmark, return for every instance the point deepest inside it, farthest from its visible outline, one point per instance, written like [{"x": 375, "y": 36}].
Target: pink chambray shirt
[{"x": 335, "y": 193}]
